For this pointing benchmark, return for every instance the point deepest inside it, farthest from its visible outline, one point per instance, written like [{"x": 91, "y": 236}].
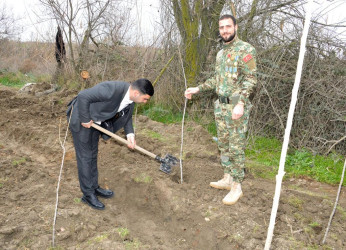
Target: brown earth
[{"x": 150, "y": 210}]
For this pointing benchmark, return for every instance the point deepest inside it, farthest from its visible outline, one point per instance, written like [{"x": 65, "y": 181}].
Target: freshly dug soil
[{"x": 150, "y": 209}]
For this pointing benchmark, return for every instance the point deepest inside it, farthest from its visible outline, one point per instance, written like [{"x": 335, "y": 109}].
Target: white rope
[
  {"x": 62, "y": 144},
  {"x": 281, "y": 171},
  {"x": 183, "y": 121},
  {"x": 336, "y": 203}
]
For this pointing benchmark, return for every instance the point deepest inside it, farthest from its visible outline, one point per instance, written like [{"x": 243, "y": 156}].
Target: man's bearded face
[{"x": 227, "y": 30}]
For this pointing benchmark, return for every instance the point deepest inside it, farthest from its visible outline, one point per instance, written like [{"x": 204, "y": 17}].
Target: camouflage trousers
[{"x": 231, "y": 139}]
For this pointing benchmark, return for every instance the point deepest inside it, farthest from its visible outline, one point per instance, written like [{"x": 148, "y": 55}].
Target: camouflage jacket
[{"x": 235, "y": 72}]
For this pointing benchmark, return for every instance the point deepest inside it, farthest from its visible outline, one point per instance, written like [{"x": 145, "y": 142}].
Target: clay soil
[{"x": 150, "y": 209}]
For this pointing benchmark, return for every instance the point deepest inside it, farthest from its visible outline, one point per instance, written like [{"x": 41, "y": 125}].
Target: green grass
[
  {"x": 9, "y": 79},
  {"x": 98, "y": 238},
  {"x": 264, "y": 154},
  {"x": 134, "y": 244},
  {"x": 77, "y": 200},
  {"x": 167, "y": 115},
  {"x": 152, "y": 134},
  {"x": 143, "y": 178},
  {"x": 21, "y": 161},
  {"x": 160, "y": 113},
  {"x": 296, "y": 202},
  {"x": 123, "y": 232},
  {"x": 18, "y": 79}
]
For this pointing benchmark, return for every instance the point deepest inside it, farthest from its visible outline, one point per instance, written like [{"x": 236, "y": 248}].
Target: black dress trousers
[{"x": 86, "y": 146}]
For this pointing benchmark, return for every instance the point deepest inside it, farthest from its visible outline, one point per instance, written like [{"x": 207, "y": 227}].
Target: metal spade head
[{"x": 167, "y": 163}]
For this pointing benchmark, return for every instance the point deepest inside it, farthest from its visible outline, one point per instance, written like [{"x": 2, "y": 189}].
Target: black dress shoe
[
  {"x": 105, "y": 193},
  {"x": 93, "y": 202}
]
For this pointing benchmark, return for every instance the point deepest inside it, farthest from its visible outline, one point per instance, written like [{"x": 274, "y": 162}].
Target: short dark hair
[
  {"x": 144, "y": 86},
  {"x": 228, "y": 16}
]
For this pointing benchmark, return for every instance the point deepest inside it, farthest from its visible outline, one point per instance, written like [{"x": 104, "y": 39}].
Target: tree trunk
[{"x": 198, "y": 25}]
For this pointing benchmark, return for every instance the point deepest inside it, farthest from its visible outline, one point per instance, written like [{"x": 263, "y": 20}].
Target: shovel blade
[
  {"x": 167, "y": 163},
  {"x": 165, "y": 168}
]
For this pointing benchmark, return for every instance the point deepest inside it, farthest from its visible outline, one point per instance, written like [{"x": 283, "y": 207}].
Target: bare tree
[
  {"x": 8, "y": 22},
  {"x": 90, "y": 26}
]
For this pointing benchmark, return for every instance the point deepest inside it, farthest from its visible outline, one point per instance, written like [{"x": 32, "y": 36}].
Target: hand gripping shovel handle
[{"x": 119, "y": 139}]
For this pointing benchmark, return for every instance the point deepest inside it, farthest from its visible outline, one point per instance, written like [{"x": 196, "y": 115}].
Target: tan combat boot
[
  {"x": 224, "y": 183},
  {"x": 233, "y": 196}
]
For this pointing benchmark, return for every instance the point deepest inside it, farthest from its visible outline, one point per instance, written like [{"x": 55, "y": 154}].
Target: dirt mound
[{"x": 150, "y": 210}]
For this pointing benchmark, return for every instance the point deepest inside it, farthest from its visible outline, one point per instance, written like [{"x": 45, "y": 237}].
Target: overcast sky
[{"x": 147, "y": 14}]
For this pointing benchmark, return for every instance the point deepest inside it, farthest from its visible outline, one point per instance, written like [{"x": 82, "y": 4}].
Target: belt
[
  {"x": 224, "y": 99},
  {"x": 108, "y": 124},
  {"x": 119, "y": 114}
]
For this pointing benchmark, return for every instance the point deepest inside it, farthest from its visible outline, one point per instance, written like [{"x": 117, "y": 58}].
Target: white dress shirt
[{"x": 124, "y": 103}]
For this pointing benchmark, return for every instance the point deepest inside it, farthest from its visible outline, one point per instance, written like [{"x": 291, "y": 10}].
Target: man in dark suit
[{"x": 109, "y": 104}]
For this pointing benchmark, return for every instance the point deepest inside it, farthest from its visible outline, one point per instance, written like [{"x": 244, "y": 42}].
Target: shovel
[{"x": 166, "y": 163}]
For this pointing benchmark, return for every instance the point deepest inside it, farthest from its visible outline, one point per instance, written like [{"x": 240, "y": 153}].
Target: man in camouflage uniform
[{"x": 233, "y": 82}]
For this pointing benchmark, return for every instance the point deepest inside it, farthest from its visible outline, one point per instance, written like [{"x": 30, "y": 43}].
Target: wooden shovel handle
[{"x": 122, "y": 140}]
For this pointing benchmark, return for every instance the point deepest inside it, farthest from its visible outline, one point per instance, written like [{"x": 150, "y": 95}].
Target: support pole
[
  {"x": 183, "y": 121},
  {"x": 335, "y": 204},
  {"x": 281, "y": 171}
]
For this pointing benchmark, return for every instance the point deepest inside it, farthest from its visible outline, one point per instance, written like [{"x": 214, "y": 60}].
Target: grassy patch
[
  {"x": 153, "y": 134},
  {"x": 99, "y": 238},
  {"x": 143, "y": 178},
  {"x": 11, "y": 79},
  {"x": 134, "y": 244},
  {"x": 56, "y": 248},
  {"x": 77, "y": 200},
  {"x": 342, "y": 211},
  {"x": 296, "y": 202},
  {"x": 264, "y": 154},
  {"x": 18, "y": 79},
  {"x": 206, "y": 122},
  {"x": 160, "y": 113},
  {"x": 18, "y": 162},
  {"x": 314, "y": 224},
  {"x": 123, "y": 232}
]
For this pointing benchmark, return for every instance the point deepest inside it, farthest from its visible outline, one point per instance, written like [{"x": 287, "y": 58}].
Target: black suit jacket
[{"x": 101, "y": 103}]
